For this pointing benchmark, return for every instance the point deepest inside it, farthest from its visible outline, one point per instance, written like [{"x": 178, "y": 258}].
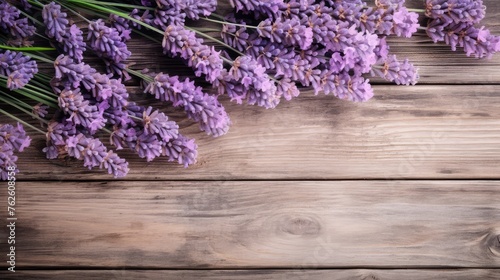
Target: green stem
[
  {"x": 21, "y": 121},
  {"x": 13, "y": 104},
  {"x": 36, "y": 3},
  {"x": 214, "y": 40},
  {"x": 416, "y": 10},
  {"x": 139, "y": 74},
  {"x": 27, "y": 49},
  {"x": 114, "y": 4},
  {"x": 227, "y": 22},
  {"x": 39, "y": 58},
  {"x": 112, "y": 11},
  {"x": 26, "y": 92}
]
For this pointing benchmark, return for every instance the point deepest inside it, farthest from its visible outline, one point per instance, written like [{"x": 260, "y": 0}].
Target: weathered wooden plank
[
  {"x": 342, "y": 224},
  {"x": 341, "y": 274},
  {"x": 404, "y": 132}
]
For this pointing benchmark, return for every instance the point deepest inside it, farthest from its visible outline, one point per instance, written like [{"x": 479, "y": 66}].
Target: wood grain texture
[
  {"x": 404, "y": 132},
  {"x": 305, "y": 274},
  {"x": 343, "y": 224}
]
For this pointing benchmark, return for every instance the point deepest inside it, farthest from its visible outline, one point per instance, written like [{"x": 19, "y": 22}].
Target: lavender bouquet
[{"x": 264, "y": 51}]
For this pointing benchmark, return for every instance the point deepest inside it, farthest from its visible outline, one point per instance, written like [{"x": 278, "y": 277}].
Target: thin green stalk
[
  {"x": 74, "y": 12},
  {"x": 25, "y": 93},
  {"x": 21, "y": 121},
  {"x": 40, "y": 92},
  {"x": 227, "y": 22},
  {"x": 13, "y": 104},
  {"x": 214, "y": 40},
  {"x": 114, "y": 4},
  {"x": 416, "y": 10},
  {"x": 31, "y": 18},
  {"x": 40, "y": 58},
  {"x": 27, "y": 49},
  {"x": 112, "y": 11},
  {"x": 139, "y": 74}
]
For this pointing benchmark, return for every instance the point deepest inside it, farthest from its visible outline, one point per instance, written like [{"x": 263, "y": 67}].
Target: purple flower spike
[
  {"x": 18, "y": 68},
  {"x": 94, "y": 154},
  {"x": 402, "y": 73},
  {"x": 7, "y": 161},
  {"x": 156, "y": 122},
  {"x": 107, "y": 42},
  {"x": 182, "y": 149},
  {"x": 14, "y": 136},
  {"x": 12, "y": 139},
  {"x": 10, "y": 22},
  {"x": 199, "y": 106},
  {"x": 405, "y": 22},
  {"x": 179, "y": 41},
  {"x": 55, "y": 21},
  {"x": 456, "y": 11},
  {"x": 80, "y": 111}
]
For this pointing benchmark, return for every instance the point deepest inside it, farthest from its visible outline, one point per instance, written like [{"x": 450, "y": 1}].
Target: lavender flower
[
  {"x": 182, "y": 150},
  {"x": 405, "y": 22},
  {"x": 7, "y": 161},
  {"x": 201, "y": 107},
  {"x": 15, "y": 136},
  {"x": 18, "y": 68},
  {"x": 94, "y": 154},
  {"x": 475, "y": 41},
  {"x": 269, "y": 8},
  {"x": 156, "y": 122},
  {"x": 69, "y": 37},
  {"x": 181, "y": 42},
  {"x": 456, "y": 11},
  {"x": 290, "y": 32},
  {"x": 11, "y": 21},
  {"x": 80, "y": 111},
  {"x": 72, "y": 74},
  {"x": 12, "y": 139},
  {"x": 391, "y": 69},
  {"x": 247, "y": 80},
  {"x": 107, "y": 43},
  {"x": 55, "y": 21}
]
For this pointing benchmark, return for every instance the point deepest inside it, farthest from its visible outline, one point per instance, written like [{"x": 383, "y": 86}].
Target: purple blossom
[
  {"x": 179, "y": 41},
  {"x": 15, "y": 136},
  {"x": 55, "y": 21},
  {"x": 80, "y": 111},
  {"x": 147, "y": 145},
  {"x": 256, "y": 86},
  {"x": 94, "y": 154},
  {"x": 121, "y": 25},
  {"x": 156, "y": 122},
  {"x": 12, "y": 139},
  {"x": 66, "y": 70},
  {"x": 269, "y": 8},
  {"x": 456, "y": 11},
  {"x": 405, "y": 22},
  {"x": 290, "y": 32},
  {"x": 11, "y": 22},
  {"x": 69, "y": 37},
  {"x": 7, "y": 161},
  {"x": 199, "y": 106},
  {"x": 40, "y": 110},
  {"x": 182, "y": 149},
  {"x": 400, "y": 72},
  {"x": 195, "y": 8},
  {"x": 18, "y": 68},
  {"x": 344, "y": 86},
  {"x": 107, "y": 42},
  {"x": 475, "y": 41}
]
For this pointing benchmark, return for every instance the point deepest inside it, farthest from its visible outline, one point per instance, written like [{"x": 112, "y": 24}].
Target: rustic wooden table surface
[{"x": 405, "y": 186}]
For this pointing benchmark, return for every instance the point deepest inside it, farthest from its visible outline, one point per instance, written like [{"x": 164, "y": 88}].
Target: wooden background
[{"x": 405, "y": 186}]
